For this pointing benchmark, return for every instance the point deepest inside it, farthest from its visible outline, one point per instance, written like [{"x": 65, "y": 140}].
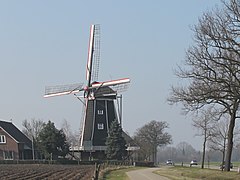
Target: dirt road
[{"x": 145, "y": 174}]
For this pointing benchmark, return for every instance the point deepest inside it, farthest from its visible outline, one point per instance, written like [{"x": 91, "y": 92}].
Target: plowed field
[{"x": 45, "y": 172}]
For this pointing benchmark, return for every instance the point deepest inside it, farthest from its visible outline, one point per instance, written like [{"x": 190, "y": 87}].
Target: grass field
[
  {"x": 117, "y": 173},
  {"x": 235, "y": 164},
  {"x": 179, "y": 173},
  {"x": 187, "y": 173}
]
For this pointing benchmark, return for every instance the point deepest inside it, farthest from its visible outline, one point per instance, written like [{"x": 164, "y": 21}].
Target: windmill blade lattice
[
  {"x": 121, "y": 87},
  {"x": 96, "y": 53},
  {"x": 62, "y": 89}
]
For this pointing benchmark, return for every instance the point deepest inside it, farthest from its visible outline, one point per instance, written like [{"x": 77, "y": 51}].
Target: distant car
[
  {"x": 193, "y": 162},
  {"x": 222, "y": 166},
  {"x": 169, "y": 162}
]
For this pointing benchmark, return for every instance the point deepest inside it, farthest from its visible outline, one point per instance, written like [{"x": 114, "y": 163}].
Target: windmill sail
[
  {"x": 110, "y": 83},
  {"x": 59, "y": 90},
  {"x": 93, "y": 54},
  {"x": 90, "y": 55}
]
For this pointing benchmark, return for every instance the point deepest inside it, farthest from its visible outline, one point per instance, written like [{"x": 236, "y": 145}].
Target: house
[{"x": 14, "y": 145}]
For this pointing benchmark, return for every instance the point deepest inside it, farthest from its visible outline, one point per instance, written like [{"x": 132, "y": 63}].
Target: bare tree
[
  {"x": 167, "y": 152},
  {"x": 213, "y": 67},
  {"x": 205, "y": 123},
  {"x": 72, "y": 138},
  {"x": 219, "y": 137},
  {"x": 183, "y": 152},
  {"x": 151, "y": 136},
  {"x": 32, "y": 129},
  {"x": 218, "y": 140},
  {"x": 186, "y": 152}
]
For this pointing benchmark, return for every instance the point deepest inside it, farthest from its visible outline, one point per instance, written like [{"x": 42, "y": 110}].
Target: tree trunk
[
  {"x": 230, "y": 137},
  {"x": 155, "y": 155},
  {"x": 223, "y": 154},
  {"x": 229, "y": 145},
  {"x": 223, "y": 157},
  {"x": 204, "y": 151}
]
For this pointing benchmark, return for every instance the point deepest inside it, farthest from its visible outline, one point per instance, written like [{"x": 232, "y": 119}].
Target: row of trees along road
[
  {"x": 213, "y": 68},
  {"x": 184, "y": 152},
  {"x": 52, "y": 143}
]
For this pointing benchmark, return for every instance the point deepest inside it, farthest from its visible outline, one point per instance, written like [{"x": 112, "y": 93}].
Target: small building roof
[
  {"x": 130, "y": 142},
  {"x": 15, "y": 133}
]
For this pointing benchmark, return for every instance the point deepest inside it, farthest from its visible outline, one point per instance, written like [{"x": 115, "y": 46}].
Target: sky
[{"x": 46, "y": 43}]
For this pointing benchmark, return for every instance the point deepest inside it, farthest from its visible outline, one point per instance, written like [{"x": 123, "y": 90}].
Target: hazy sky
[{"x": 45, "y": 43}]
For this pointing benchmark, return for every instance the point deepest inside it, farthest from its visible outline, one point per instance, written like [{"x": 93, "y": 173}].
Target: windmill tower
[{"x": 99, "y": 99}]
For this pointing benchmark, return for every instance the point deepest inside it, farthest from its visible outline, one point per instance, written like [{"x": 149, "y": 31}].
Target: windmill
[{"x": 99, "y": 98}]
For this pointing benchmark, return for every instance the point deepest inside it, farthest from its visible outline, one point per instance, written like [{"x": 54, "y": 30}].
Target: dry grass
[
  {"x": 193, "y": 173},
  {"x": 117, "y": 173}
]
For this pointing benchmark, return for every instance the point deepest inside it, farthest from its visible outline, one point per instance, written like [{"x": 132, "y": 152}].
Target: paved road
[{"x": 145, "y": 174}]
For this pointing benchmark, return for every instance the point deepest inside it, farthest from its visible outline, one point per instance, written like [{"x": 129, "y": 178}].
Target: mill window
[
  {"x": 100, "y": 126},
  {"x": 100, "y": 112}
]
